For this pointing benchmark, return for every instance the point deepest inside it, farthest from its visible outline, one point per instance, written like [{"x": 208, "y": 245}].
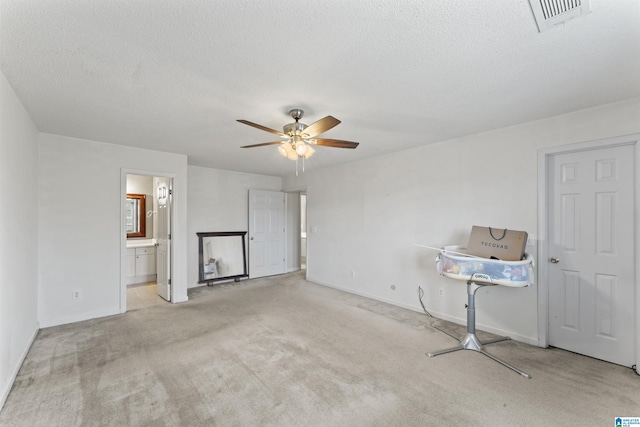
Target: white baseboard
[
  {"x": 79, "y": 317},
  {"x": 16, "y": 369},
  {"x": 453, "y": 319}
]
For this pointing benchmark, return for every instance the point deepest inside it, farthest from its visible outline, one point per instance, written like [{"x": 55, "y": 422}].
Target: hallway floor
[{"x": 143, "y": 295}]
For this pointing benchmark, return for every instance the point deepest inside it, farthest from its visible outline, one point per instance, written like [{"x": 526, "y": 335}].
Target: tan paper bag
[{"x": 500, "y": 243}]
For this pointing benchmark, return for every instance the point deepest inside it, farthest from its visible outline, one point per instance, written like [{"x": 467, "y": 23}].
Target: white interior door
[
  {"x": 591, "y": 253},
  {"x": 266, "y": 233},
  {"x": 163, "y": 235}
]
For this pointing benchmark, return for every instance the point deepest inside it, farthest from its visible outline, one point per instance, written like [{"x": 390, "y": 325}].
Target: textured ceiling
[{"x": 175, "y": 75}]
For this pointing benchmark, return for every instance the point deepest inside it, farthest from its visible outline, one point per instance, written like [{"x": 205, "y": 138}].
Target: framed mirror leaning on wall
[
  {"x": 136, "y": 209},
  {"x": 222, "y": 256}
]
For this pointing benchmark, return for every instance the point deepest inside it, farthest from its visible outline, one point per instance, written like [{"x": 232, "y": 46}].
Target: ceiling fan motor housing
[
  {"x": 294, "y": 128},
  {"x": 296, "y": 114}
]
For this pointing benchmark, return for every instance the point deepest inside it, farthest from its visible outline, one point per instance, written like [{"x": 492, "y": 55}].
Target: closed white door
[
  {"x": 266, "y": 233},
  {"x": 591, "y": 253},
  {"x": 163, "y": 236}
]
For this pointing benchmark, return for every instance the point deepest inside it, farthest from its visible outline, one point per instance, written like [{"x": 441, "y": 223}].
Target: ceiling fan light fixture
[
  {"x": 309, "y": 152},
  {"x": 301, "y": 148},
  {"x": 289, "y": 152}
]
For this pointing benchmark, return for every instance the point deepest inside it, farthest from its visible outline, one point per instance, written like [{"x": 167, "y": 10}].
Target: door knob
[
  {"x": 554, "y": 260},
  {"x": 251, "y": 238}
]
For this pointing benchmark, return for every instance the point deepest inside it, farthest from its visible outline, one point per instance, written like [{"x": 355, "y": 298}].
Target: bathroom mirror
[
  {"x": 222, "y": 256},
  {"x": 135, "y": 209}
]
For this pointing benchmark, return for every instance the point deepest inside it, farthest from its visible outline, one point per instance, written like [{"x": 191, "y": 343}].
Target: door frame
[
  {"x": 306, "y": 223},
  {"x": 123, "y": 234},
  {"x": 544, "y": 158},
  {"x": 295, "y": 234}
]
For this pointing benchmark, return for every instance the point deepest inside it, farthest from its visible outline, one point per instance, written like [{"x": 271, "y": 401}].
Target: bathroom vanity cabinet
[{"x": 141, "y": 265}]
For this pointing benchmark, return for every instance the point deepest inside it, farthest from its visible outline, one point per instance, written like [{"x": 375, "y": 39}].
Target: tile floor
[{"x": 143, "y": 295}]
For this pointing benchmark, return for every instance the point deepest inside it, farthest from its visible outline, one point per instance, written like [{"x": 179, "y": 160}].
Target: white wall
[
  {"x": 80, "y": 224},
  {"x": 18, "y": 235},
  {"x": 140, "y": 184},
  {"x": 219, "y": 201},
  {"x": 368, "y": 215}
]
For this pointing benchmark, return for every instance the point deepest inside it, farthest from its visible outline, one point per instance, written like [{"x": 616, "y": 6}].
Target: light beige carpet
[{"x": 280, "y": 351}]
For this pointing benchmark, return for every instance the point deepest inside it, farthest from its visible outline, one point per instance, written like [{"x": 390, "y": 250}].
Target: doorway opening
[
  {"x": 303, "y": 231},
  {"x": 147, "y": 215}
]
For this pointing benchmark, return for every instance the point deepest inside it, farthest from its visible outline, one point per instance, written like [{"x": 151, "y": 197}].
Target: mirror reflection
[
  {"x": 135, "y": 209},
  {"x": 222, "y": 256}
]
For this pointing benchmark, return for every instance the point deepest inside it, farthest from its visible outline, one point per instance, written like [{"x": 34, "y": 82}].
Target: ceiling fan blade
[
  {"x": 321, "y": 126},
  {"x": 255, "y": 125},
  {"x": 337, "y": 143},
  {"x": 263, "y": 144}
]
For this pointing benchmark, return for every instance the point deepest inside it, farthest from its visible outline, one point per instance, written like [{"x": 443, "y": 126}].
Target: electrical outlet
[
  {"x": 531, "y": 240},
  {"x": 77, "y": 294},
  {"x": 352, "y": 273},
  {"x": 441, "y": 292}
]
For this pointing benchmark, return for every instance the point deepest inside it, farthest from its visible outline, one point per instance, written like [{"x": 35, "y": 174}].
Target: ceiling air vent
[{"x": 549, "y": 13}]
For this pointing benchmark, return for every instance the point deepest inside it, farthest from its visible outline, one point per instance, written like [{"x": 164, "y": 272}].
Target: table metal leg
[{"x": 470, "y": 340}]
